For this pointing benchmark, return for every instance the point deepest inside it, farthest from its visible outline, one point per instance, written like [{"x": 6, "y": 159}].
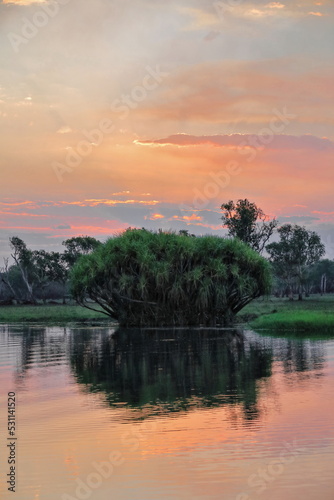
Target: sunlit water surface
[{"x": 202, "y": 414}]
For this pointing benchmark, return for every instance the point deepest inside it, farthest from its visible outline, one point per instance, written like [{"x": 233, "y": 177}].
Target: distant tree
[
  {"x": 321, "y": 276},
  {"x": 185, "y": 232},
  {"x": 48, "y": 268},
  {"x": 246, "y": 221},
  {"x": 77, "y": 246},
  {"x": 59, "y": 271},
  {"x": 23, "y": 259},
  {"x": 292, "y": 256},
  {"x": 38, "y": 269},
  {"x": 41, "y": 269},
  {"x": 6, "y": 279}
]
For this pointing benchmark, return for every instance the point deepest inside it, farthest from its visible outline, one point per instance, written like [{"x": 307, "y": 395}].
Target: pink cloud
[
  {"x": 245, "y": 140},
  {"x": 96, "y": 202},
  {"x": 24, "y": 2},
  {"x": 22, "y": 214}
]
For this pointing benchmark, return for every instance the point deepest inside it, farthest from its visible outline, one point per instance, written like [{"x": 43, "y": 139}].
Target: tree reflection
[
  {"x": 173, "y": 370},
  {"x": 163, "y": 370}
]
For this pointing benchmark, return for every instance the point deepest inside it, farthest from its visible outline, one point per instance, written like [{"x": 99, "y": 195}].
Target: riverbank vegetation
[
  {"x": 313, "y": 316},
  {"x": 315, "y": 323},
  {"x": 143, "y": 278},
  {"x": 51, "y": 314},
  {"x": 263, "y": 314}
]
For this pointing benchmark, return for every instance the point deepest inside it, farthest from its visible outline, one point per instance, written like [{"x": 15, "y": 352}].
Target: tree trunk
[
  {"x": 7, "y": 283},
  {"x": 300, "y": 293},
  {"x": 28, "y": 285},
  {"x": 323, "y": 286},
  {"x": 26, "y": 281}
]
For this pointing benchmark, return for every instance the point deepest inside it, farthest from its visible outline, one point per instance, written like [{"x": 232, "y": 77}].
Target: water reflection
[
  {"x": 165, "y": 370},
  {"x": 223, "y": 404},
  {"x": 173, "y": 369},
  {"x": 35, "y": 347}
]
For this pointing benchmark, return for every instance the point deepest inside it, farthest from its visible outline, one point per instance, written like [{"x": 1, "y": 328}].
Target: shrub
[{"x": 142, "y": 278}]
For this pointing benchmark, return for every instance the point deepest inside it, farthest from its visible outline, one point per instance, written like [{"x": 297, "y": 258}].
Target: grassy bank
[
  {"x": 312, "y": 317},
  {"x": 301, "y": 322},
  {"x": 266, "y": 305},
  {"x": 48, "y": 314}
]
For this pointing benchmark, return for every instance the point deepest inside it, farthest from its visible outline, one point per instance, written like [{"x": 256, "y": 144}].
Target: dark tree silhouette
[{"x": 246, "y": 221}]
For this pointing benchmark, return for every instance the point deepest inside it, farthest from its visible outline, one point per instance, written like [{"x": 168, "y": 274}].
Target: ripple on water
[{"x": 193, "y": 416}]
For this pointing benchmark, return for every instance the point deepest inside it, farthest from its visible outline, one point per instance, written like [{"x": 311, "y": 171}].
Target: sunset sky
[{"x": 151, "y": 113}]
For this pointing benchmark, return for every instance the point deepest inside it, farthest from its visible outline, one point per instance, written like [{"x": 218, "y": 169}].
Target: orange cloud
[
  {"x": 275, "y": 5},
  {"x": 214, "y": 227},
  {"x": 156, "y": 216},
  {"x": 227, "y": 92},
  {"x": 319, "y": 14},
  {"x": 188, "y": 218},
  {"x": 17, "y": 204}
]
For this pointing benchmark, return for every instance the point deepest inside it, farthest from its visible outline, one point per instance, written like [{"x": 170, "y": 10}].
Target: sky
[{"x": 151, "y": 113}]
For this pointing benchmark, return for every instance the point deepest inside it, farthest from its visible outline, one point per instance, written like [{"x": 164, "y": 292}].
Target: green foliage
[
  {"x": 172, "y": 370},
  {"x": 48, "y": 267},
  {"x": 80, "y": 245},
  {"x": 293, "y": 255},
  {"x": 309, "y": 322},
  {"x": 146, "y": 278},
  {"x": 55, "y": 314},
  {"x": 321, "y": 276},
  {"x": 38, "y": 269},
  {"x": 20, "y": 251},
  {"x": 246, "y": 221},
  {"x": 24, "y": 260}
]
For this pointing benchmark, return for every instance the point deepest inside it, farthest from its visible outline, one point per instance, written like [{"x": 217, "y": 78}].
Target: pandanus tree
[{"x": 144, "y": 278}]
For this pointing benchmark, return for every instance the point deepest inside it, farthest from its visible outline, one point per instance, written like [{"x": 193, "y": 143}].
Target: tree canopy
[
  {"x": 36, "y": 271},
  {"x": 246, "y": 221},
  {"x": 77, "y": 246},
  {"x": 292, "y": 256},
  {"x": 146, "y": 278}
]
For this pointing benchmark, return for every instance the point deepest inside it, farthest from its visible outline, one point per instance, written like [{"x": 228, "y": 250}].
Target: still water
[{"x": 160, "y": 414}]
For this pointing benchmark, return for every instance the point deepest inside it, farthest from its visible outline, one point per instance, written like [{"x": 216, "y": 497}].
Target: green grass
[
  {"x": 301, "y": 322},
  {"x": 268, "y": 305},
  {"x": 312, "y": 316},
  {"x": 48, "y": 314}
]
